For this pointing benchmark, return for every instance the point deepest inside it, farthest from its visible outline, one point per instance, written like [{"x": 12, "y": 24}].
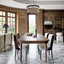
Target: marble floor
[{"x": 33, "y": 56}]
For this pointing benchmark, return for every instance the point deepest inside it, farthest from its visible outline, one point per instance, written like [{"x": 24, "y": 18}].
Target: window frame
[
  {"x": 11, "y": 17},
  {"x": 2, "y": 20},
  {"x": 6, "y": 19}
]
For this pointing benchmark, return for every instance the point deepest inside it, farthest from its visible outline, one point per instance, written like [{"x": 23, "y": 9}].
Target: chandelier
[{"x": 33, "y": 8}]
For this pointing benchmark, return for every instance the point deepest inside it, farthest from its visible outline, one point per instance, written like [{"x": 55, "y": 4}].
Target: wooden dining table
[{"x": 40, "y": 39}]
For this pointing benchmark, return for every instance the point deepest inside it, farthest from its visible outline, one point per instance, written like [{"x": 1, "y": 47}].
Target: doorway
[
  {"x": 32, "y": 27},
  {"x": 32, "y": 23}
]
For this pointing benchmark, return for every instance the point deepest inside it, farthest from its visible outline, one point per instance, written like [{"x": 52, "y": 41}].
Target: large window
[
  {"x": 2, "y": 21},
  {"x": 11, "y": 22},
  {"x": 8, "y": 18}
]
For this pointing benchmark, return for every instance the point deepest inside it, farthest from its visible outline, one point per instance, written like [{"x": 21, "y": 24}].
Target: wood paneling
[
  {"x": 39, "y": 22},
  {"x": 23, "y": 24},
  {"x": 49, "y": 15},
  {"x": 22, "y": 19},
  {"x": 56, "y": 16}
]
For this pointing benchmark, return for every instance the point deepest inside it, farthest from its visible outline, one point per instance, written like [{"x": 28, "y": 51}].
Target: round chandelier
[{"x": 33, "y": 8}]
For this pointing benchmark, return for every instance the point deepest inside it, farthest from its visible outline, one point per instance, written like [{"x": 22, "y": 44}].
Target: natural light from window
[{"x": 32, "y": 23}]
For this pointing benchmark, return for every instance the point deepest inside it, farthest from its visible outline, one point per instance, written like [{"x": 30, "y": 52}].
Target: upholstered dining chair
[
  {"x": 42, "y": 45},
  {"x": 23, "y": 45},
  {"x": 17, "y": 37},
  {"x": 49, "y": 45},
  {"x": 17, "y": 47}
]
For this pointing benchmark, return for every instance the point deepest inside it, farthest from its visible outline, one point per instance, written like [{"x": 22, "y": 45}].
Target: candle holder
[{"x": 36, "y": 32}]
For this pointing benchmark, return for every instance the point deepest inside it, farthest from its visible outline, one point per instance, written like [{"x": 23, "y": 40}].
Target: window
[
  {"x": 7, "y": 18},
  {"x": 11, "y": 22},
  {"x": 2, "y": 21}
]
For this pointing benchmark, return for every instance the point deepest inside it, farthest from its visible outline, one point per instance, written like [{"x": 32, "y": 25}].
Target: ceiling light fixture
[{"x": 33, "y": 8}]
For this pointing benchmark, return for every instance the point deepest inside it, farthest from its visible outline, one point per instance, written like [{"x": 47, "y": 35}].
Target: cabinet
[{"x": 59, "y": 36}]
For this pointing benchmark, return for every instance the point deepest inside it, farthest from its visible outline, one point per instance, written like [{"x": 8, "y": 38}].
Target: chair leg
[
  {"x": 15, "y": 55},
  {"x": 28, "y": 46},
  {"x": 52, "y": 54},
  {"x": 38, "y": 49},
  {"x": 49, "y": 52},
  {"x": 18, "y": 54},
  {"x": 40, "y": 54},
  {"x": 27, "y": 49},
  {"x": 26, "y": 55}
]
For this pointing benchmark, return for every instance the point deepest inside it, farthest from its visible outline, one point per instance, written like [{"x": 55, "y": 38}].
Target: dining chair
[
  {"x": 23, "y": 45},
  {"x": 42, "y": 45},
  {"x": 17, "y": 47},
  {"x": 17, "y": 37},
  {"x": 49, "y": 45}
]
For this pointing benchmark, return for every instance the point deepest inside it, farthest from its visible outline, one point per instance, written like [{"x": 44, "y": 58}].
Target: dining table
[{"x": 28, "y": 39}]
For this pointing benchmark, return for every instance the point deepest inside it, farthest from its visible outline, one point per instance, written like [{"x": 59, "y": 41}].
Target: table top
[{"x": 31, "y": 39}]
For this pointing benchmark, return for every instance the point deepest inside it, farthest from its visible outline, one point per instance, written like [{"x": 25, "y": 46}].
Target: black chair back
[
  {"x": 46, "y": 35},
  {"x": 51, "y": 38},
  {"x": 18, "y": 35},
  {"x": 15, "y": 41}
]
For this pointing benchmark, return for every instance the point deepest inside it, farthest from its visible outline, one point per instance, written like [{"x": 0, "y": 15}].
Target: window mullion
[
  {"x": 2, "y": 24},
  {"x": 6, "y": 19}
]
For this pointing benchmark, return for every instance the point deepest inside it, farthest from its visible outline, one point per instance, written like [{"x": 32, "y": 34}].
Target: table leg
[
  {"x": 45, "y": 52},
  {"x": 21, "y": 52}
]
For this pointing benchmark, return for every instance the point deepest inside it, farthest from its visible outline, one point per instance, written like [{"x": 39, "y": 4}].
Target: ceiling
[{"x": 44, "y": 4}]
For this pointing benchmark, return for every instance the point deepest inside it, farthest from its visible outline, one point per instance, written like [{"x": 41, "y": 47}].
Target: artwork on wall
[{"x": 47, "y": 22}]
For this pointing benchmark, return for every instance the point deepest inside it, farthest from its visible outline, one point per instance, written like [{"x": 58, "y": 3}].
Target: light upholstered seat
[{"x": 49, "y": 45}]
